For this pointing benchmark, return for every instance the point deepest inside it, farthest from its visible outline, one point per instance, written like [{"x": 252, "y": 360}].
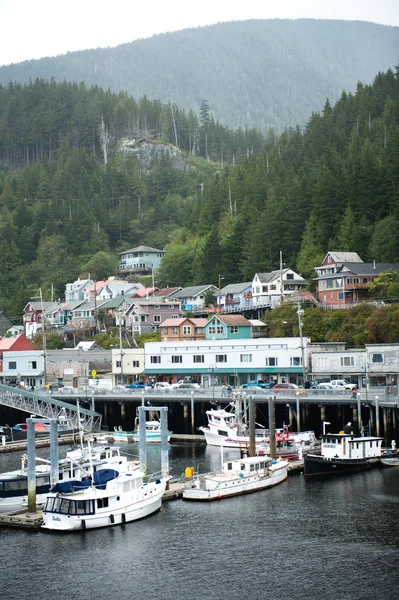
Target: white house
[
  {"x": 77, "y": 289},
  {"x": 140, "y": 260},
  {"x": 269, "y": 288},
  {"x": 25, "y": 366},
  {"x": 128, "y": 365}
]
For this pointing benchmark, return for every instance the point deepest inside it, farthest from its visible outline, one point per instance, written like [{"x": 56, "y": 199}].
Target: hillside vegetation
[
  {"x": 70, "y": 199},
  {"x": 253, "y": 73}
]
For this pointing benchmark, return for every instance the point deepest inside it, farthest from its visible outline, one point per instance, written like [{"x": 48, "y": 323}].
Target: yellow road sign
[{"x": 94, "y": 373}]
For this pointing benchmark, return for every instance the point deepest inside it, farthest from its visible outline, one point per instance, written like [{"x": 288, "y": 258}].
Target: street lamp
[
  {"x": 213, "y": 368},
  {"x": 324, "y": 426}
]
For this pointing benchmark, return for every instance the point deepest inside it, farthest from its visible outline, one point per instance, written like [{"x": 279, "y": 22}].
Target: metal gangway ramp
[{"x": 50, "y": 408}]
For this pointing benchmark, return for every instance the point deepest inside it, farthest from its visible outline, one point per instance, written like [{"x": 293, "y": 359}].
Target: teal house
[{"x": 228, "y": 327}]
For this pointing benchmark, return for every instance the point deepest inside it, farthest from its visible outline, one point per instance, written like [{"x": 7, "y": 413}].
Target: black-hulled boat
[{"x": 343, "y": 453}]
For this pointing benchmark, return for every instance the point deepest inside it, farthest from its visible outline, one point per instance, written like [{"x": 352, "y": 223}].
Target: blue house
[
  {"x": 236, "y": 296},
  {"x": 228, "y": 327}
]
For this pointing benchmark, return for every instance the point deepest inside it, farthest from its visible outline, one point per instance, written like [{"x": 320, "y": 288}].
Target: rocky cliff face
[{"x": 147, "y": 151}]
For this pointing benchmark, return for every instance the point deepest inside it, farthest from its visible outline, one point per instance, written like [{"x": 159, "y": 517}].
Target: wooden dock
[{"x": 39, "y": 443}]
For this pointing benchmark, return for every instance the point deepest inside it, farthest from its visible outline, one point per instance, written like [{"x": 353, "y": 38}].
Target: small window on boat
[
  {"x": 229, "y": 466},
  {"x": 252, "y": 467},
  {"x": 102, "y": 502},
  {"x": 220, "y": 432},
  {"x": 49, "y": 504},
  {"x": 357, "y": 445},
  {"x": 14, "y": 486},
  {"x": 42, "y": 481},
  {"x": 242, "y": 467},
  {"x": 114, "y": 452},
  {"x": 371, "y": 444},
  {"x": 103, "y": 455}
]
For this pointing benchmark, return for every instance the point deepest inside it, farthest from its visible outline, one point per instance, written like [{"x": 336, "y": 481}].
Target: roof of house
[
  {"x": 116, "y": 302},
  {"x": 362, "y": 268},
  {"x": 367, "y": 268},
  {"x": 200, "y": 322},
  {"x": 269, "y": 277},
  {"x": 20, "y": 342},
  {"x": 142, "y": 293},
  {"x": 194, "y": 290},
  {"x": 257, "y": 323},
  {"x": 86, "y": 346},
  {"x": 232, "y": 320},
  {"x": 68, "y": 306},
  {"x": 142, "y": 249},
  {"x": 169, "y": 291},
  {"x": 340, "y": 257},
  {"x": 236, "y": 288},
  {"x": 47, "y": 307}
]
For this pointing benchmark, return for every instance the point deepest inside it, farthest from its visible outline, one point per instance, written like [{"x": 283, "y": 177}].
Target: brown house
[{"x": 183, "y": 329}]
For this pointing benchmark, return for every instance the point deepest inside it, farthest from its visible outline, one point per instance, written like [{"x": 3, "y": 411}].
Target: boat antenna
[{"x": 79, "y": 424}]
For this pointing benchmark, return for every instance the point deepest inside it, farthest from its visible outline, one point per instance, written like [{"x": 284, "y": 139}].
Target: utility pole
[
  {"x": 44, "y": 341},
  {"x": 120, "y": 345},
  {"x": 300, "y": 312},
  {"x": 281, "y": 278}
]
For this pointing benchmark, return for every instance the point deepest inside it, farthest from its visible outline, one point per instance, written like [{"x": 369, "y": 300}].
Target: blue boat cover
[{"x": 100, "y": 481}]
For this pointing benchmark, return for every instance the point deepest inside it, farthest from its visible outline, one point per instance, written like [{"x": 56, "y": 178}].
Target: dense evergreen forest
[
  {"x": 71, "y": 199},
  {"x": 257, "y": 73}
]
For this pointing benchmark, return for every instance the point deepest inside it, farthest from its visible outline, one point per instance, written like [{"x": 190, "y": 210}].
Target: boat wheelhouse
[{"x": 343, "y": 453}]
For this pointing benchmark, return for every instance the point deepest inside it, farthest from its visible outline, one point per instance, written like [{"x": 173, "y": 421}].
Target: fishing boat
[
  {"x": 230, "y": 429},
  {"x": 152, "y": 432},
  {"x": 343, "y": 453},
  {"x": 108, "y": 498},
  {"x": 78, "y": 463},
  {"x": 243, "y": 476}
]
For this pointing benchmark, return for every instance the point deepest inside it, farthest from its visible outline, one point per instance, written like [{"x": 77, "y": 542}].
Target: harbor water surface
[{"x": 336, "y": 538}]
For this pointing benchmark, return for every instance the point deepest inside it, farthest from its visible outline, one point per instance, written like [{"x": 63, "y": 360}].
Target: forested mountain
[
  {"x": 257, "y": 72},
  {"x": 71, "y": 198}
]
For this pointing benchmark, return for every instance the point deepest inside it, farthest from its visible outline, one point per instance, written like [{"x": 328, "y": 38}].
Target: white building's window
[
  {"x": 347, "y": 361},
  {"x": 176, "y": 358},
  {"x": 198, "y": 358},
  {"x": 377, "y": 358},
  {"x": 322, "y": 361},
  {"x": 136, "y": 364},
  {"x": 245, "y": 358},
  {"x": 155, "y": 359},
  {"x": 221, "y": 358},
  {"x": 296, "y": 361},
  {"x": 271, "y": 361},
  {"x": 273, "y": 287}
]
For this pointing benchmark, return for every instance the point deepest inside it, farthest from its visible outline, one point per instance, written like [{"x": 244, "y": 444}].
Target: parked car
[
  {"x": 325, "y": 385},
  {"x": 67, "y": 389},
  {"x": 341, "y": 384},
  {"x": 258, "y": 383},
  {"x": 288, "y": 388},
  {"x": 190, "y": 386},
  {"x": 119, "y": 389},
  {"x": 162, "y": 385},
  {"x": 136, "y": 385}
]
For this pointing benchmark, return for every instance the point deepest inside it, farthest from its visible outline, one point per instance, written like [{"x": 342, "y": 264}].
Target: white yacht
[{"x": 108, "y": 498}]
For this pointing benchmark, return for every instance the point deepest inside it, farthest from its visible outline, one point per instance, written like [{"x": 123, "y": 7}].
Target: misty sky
[{"x": 33, "y": 29}]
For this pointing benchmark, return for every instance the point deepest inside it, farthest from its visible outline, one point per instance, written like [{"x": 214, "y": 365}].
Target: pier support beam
[
  {"x": 164, "y": 443},
  {"x": 185, "y": 416},
  {"x": 55, "y": 475},
  {"x": 298, "y": 413},
  {"x": 192, "y": 414},
  {"x": 123, "y": 411},
  {"x": 377, "y": 416},
  {"x": 272, "y": 428},
  {"x": 251, "y": 418},
  {"x": 30, "y": 438}
]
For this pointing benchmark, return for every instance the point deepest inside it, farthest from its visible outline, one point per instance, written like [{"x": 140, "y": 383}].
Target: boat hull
[
  {"x": 316, "y": 465},
  {"x": 390, "y": 462},
  {"x": 215, "y": 488}
]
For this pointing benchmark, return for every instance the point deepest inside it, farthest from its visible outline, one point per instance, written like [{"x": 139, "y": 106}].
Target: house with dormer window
[
  {"x": 78, "y": 289},
  {"x": 228, "y": 327},
  {"x": 193, "y": 297}
]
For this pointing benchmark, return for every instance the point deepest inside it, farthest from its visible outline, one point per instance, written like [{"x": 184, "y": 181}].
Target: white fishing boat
[
  {"x": 243, "y": 476},
  {"x": 230, "y": 429},
  {"x": 78, "y": 463},
  {"x": 108, "y": 498}
]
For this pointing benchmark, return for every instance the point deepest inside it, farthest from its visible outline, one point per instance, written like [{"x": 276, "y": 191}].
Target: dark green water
[{"x": 313, "y": 540}]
